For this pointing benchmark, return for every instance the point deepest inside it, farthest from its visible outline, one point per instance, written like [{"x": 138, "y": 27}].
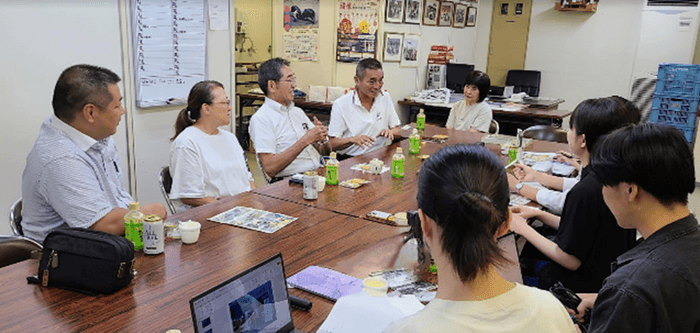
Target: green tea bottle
[
  {"x": 332, "y": 170},
  {"x": 397, "y": 164},
  {"x": 420, "y": 120},
  {"x": 414, "y": 143}
]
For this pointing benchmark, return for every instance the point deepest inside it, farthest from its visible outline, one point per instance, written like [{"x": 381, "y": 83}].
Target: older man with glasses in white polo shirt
[
  {"x": 364, "y": 119},
  {"x": 285, "y": 140}
]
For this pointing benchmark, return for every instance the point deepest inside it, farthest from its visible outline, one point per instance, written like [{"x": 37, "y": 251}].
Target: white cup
[
  {"x": 189, "y": 231},
  {"x": 321, "y": 183},
  {"x": 375, "y": 286},
  {"x": 401, "y": 219}
]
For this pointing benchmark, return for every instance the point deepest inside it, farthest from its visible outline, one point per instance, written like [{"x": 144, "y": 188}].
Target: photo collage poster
[
  {"x": 358, "y": 23},
  {"x": 301, "y": 30}
]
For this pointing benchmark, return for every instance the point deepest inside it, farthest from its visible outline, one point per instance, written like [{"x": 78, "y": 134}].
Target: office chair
[
  {"x": 166, "y": 183},
  {"x": 493, "y": 127},
  {"x": 524, "y": 81},
  {"x": 545, "y": 133},
  {"x": 16, "y": 218},
  {"x": 17, "y": 248}
]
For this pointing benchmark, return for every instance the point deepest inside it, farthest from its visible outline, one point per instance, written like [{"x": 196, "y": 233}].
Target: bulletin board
[{"x": 169, "y": 43}]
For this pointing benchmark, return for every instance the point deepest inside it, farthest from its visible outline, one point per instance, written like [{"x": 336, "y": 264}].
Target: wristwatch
[{"x": 518, "y": 186}]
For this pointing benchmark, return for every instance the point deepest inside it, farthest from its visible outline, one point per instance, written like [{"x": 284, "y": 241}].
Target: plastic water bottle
[
  {"x": 397, "y": 163},
  {"x": 414, "y": 143},
  {"x": 420, "y": 120},
  {"x": 332, "y": 169},
  {"x": 133, "y": 224}
]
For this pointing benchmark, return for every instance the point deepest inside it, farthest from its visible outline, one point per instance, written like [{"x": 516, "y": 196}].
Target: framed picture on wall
[
  {"x": 430, "y": 12},
  {"x": 460, "y": 15},
  {"x": 446, "y": 16},
  {"x": 409, "y": 54},
  {"x": 471, "y": 17},
  {"x": 392, "y": 46},
  {"x": 394, "y": 11},
  {"x": 413, "y": 11}
]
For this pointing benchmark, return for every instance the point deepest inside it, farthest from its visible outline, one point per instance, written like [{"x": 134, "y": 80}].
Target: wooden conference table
[{"x": 158, "y": 298}]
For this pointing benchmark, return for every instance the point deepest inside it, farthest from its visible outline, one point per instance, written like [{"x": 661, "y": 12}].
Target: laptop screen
[{"x": 253, "y": 301}]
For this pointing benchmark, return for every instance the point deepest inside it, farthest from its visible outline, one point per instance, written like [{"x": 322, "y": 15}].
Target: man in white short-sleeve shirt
[
  {"x": 73, "y": 176},
  {"x": 364, "y": 119},
  {"x": 285, "y": 140}
]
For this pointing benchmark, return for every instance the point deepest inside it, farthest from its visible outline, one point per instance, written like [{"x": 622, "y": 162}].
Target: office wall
[
  {"x": 39, "y": 40},
  {"x": 399, "y": 81}
]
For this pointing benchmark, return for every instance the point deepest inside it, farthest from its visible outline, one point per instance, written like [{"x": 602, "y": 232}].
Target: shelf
[{"x": 577, "y": 8}]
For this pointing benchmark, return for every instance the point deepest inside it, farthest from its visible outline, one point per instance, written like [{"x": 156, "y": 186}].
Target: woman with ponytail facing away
[
  {"x": 463, "y": 208},
  {"x": 206, "y": 163}
]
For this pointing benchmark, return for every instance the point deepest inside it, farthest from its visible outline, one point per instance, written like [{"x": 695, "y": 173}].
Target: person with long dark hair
[
  {"x": 463, "y": 208},
  {"x": 205, "y": 162}
]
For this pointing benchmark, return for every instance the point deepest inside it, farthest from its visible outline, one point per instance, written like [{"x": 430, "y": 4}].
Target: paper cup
[
  {"x": 321, "y": 183},
  {"x": 375, "y": 286},
  {"x": 189, "y": 231}
]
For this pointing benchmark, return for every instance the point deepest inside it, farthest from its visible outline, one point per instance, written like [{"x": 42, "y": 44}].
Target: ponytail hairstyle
[
  {"x": 199, "y": 94},
  {"x": 464, "y": 189}
]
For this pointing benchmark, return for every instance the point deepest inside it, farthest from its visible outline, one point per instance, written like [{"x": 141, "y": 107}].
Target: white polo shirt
[
  {"x": 275, "y": 127},
  {"x": 349, "y": 118}
]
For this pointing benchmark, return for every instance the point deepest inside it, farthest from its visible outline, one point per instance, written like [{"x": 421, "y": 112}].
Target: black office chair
[
  {"x": 166, "y": 183},
  {"x": 17, "y": 248},
  {"x": 16, "y": 218},
  {"x": 524, "y": 81},
  {"x": 545, "y": 133}
]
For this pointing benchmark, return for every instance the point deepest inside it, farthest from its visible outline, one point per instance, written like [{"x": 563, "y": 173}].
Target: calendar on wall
[{"x": 169, "y": 42}]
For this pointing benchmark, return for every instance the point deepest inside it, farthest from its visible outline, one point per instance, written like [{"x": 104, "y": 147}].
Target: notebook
[
  {"x": 325, "y": 282},
  {"x": 253, "y": 301}
]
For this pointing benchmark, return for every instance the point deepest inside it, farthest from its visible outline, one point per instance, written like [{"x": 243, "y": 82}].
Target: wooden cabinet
[{"x": 577, "y": 5}]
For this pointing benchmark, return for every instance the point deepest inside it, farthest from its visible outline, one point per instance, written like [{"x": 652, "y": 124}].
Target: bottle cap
[
  {"x": 333, "y": 155},
  {"x": 399, "y": 150},
  {"x": 421, "y": 110},
  {"x": 134, "y": 206}
]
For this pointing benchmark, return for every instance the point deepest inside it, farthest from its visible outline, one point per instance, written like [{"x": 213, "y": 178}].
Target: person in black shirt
[{"x": 587, "y": 237}]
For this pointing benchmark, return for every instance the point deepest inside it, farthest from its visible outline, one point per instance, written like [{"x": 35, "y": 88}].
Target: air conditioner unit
[{"x": 672, "y": 3}]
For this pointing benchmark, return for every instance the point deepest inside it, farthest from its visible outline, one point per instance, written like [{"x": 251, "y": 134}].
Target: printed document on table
[{"x": 363, "y": 313}]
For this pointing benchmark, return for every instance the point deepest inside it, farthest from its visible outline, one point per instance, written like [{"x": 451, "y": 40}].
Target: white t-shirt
[
  {"x": 349, "y": 118},
  {"x": 275, "y": 127},
  {"x": 522, "y": 309},
  {"x": 204, "y": 165},
  {"x": 463, "y": 117}
]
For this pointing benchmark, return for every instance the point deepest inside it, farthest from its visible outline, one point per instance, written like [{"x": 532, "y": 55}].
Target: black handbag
[{"x": 87, "y": 261}]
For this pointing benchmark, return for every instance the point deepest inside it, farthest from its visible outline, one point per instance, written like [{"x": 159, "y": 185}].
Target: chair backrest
[
  {"x": 545, "y": 133},
  {"x": 268, "y": 179},
  {"x": 524, "y": 81},
  {"x": 16, "y": 218},
  {"x": 493, "y": 127},
  {"x": 15, "y": 248},
  {"x": 166, "y": 182}
]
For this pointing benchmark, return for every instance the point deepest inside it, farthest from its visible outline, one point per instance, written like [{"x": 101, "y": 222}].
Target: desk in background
[
  {"x": 509, "y": 121},
  {"x": 249, "y": 100}
]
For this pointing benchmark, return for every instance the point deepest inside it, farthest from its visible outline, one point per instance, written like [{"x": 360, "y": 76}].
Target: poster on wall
[
  {"x": 413, "y": 11},
  {"x": 460, "y": 16},
  {"x": 392, "y": 46},
  {"x": 301, "y": 30},
  {"x": 358, "y": 22}
]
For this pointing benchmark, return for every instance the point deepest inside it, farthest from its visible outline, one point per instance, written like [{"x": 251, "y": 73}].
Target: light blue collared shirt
[{"x": 71, "y": 180}]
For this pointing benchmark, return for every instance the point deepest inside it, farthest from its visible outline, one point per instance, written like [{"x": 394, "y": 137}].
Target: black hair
[
  {"x": 481, "y": 81},
  {"x": 464, "y": 189},
  {"x": 655, "y": 157},
  {"x": 364, "y": 65},
  {"x": 271, "y": 69},
  {"x": 596, "y": 117},
  {"x": 79, "y": 85},
  {"x": 199, "y": 94}
]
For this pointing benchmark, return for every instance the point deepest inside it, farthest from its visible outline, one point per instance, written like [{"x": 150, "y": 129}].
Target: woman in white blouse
[
  {"x": 472, "y": 113},
  {"x": 206, "y": 163}
]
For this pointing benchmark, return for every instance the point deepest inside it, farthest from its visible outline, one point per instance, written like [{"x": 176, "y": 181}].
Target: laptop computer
[
  {"x": 253, "y": 301},
  {"x": 510, "y": 271}
]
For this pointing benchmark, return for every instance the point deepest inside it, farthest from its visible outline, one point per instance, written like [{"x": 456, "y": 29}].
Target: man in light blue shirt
[{"x": 73, "y": 177}]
